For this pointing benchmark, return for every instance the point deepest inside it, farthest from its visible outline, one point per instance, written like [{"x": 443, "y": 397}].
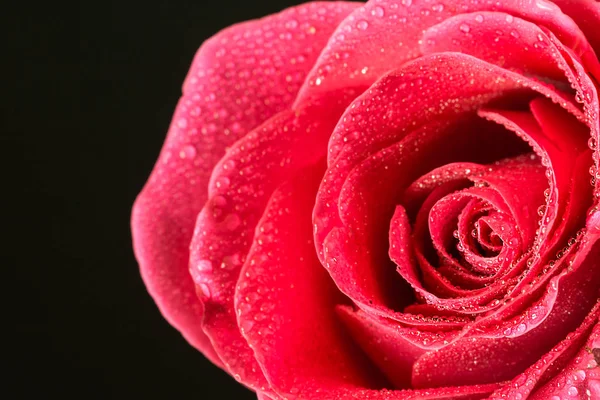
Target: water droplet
[
  {"x": 592, "y": 143},
  {"x": 204, "y": 265},
  {"x": 260, "y": 317},
  {"x": 572, "y": 391},
  {"x": 204, "y": 289},
  {"x": 515, "y": 34},
  {"x": 541, "y": 210},
  {"x": 362, "y": 25},
  {"x": 406, "y": 3},
  {"x": 545, "y": 5},
  {"x": 291, "y": 24},
  {"x": 222, "y": 182},
  {"x": 378, "y": 12},
  {"x": 219, "y": 201},
  {"x": 188, "y": 151},
  {"x": 182, "y": 123},
  {"x": 232, "y": 221},
  {"x": 479, "y": 18},
  {"x": 236, "y": 127},
  {"x": 438, "y": 7},
  {"x": 230, "y": 262},
  {"x": 593, "y": 221},
  {"x": 247, "y": 325},
  {"x": 364, "y": 70},
  {"x": 464, "y": 28},
  {"x": 579, "y": 375},
  {"x": 509, "y": 18}
]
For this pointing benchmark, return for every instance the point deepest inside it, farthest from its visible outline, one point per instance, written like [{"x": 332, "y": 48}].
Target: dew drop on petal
[
  {"x": 593, "y": 221},
  {"x": 232, "y": 221},
  {"x": 204, "y": 289},
  {"x": 377, "y": 12},
  {"x": 188, "y": 151},
  {"x": 291, "y": 24},
  {"x": 545, "y": 5},
  {"x": 223, "y": 182},
  {"x": 204, "y": 265},
  {"x": 182, "y": 123},
  {"x": 572, "y": 391}
]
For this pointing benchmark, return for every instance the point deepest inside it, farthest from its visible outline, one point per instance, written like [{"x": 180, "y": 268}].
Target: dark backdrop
[{"x": 96, "y": 88}]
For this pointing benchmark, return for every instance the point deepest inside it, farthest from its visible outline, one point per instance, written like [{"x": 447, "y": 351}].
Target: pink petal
[
  {"x": 498, "y": 38},
  {"x": 568, "y": 160},
  {"x": 226, "y": 94},
  {"x": 239, "y": 190},
  {"x": 377, "y": 128},
  {"x": 554, "y": 362},
  {"x": 586, "y": 14},
  {"x": 487, "y": 356},
  {"x": 285, "y": 302},
  {"x": 581, "y": 377},
  {"x": 382, "y": 35},
  {"x": 393, "y": 347}
]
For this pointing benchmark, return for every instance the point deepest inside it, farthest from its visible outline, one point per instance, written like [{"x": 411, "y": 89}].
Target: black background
[{"x": 95, "y": 86}]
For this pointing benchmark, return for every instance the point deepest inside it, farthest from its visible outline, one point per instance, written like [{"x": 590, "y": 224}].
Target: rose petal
[
  {"x": 552, "y": 362},
  {"x": 239, "y": 190},
  {"x": 586, "y": 14},
  {"x": 226, "y": 94},
  {"x": 392, "y": 347},
  {"x": 380, "y": 126},
  {"x": 382, "y": 35},
  {"x": 285, "y": 301},
  {"x": 581, "y": 376},
  {"x": 489, "y": 357},
  {"x": 510, "y": 42}
]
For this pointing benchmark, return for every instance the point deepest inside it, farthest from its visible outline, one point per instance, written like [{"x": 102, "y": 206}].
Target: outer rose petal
[
  {"x": 285, "y": 301},
  {"x": 240, "y": 187},
  {"x": 226, "y": 94},
  {"x": 382, "y": 35}
]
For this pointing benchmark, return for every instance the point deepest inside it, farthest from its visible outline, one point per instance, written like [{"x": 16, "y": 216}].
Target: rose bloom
[{"x": 390, "y": 200}]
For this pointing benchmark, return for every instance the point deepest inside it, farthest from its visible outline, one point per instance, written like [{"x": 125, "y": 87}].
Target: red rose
[{"x": 388, "y": 200}]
